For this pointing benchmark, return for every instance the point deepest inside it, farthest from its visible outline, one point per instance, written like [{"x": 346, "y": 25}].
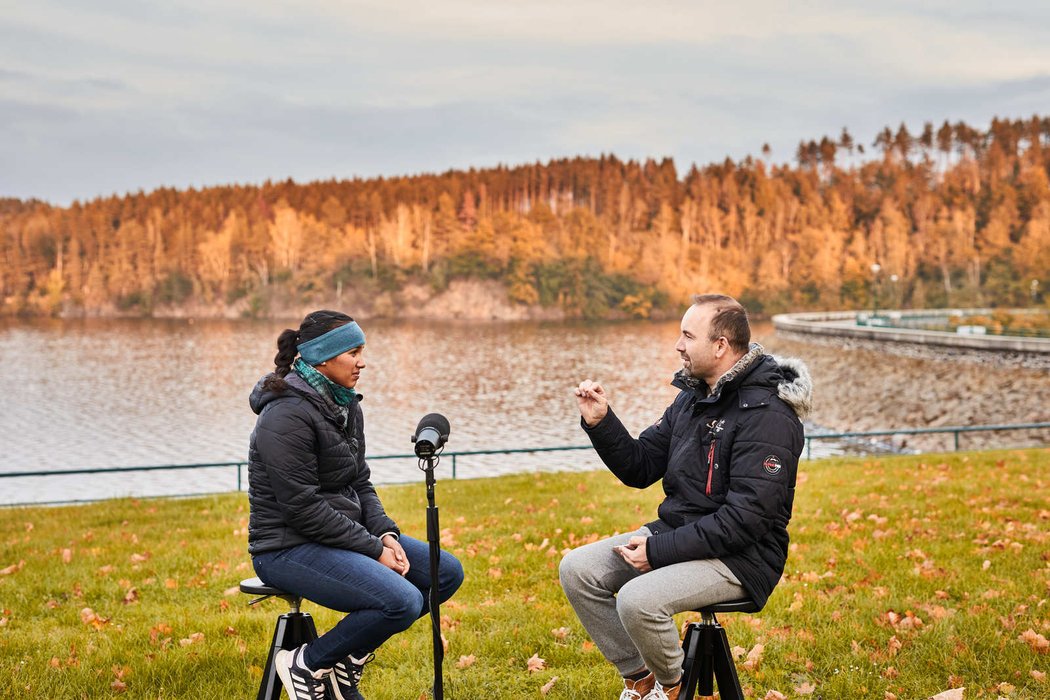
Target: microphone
[{"x": 431, "y": 434}]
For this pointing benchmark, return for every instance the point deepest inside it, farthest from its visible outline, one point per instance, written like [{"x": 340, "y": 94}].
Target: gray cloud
[{"x": 100, "y": 98}]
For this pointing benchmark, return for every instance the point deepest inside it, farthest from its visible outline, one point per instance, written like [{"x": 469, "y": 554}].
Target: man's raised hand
[{"x": 590, "y": 397}]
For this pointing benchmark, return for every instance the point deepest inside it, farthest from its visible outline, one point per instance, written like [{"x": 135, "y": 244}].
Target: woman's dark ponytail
[
  {"x": 286, "y": 352},
  {"x": 314, "y": 325}
]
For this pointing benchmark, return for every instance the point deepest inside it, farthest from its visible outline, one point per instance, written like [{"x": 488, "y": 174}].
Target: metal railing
[{"x": 955, "y": 431}]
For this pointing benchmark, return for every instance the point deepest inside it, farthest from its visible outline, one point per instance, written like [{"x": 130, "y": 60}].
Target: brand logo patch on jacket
[{"x": 772, "y": 464}]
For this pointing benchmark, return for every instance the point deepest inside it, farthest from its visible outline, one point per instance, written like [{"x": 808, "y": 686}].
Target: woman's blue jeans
[{"x": 379, "y": 602}]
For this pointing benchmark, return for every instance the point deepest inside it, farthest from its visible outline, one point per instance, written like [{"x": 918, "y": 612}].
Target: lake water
[{"x": 109, "y": 393}]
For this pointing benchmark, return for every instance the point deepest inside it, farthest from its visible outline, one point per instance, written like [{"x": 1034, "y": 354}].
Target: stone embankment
[{"x": 870, "y": 385}]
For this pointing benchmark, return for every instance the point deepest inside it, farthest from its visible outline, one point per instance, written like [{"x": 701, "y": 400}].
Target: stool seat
[
  {"x": 255, "y": 586},
  {"x": 745, "y": 605}
]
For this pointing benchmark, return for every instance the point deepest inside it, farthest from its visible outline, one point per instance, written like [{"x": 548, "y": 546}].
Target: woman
[{"x": 317, "y": 527}]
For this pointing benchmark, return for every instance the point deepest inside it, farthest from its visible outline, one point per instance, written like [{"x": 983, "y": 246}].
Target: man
[{"x": 727, "y": 450}]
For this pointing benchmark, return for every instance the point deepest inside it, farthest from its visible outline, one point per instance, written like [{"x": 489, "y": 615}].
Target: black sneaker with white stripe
[
  {"x": 300, "y": 682},
  {"x": 346, "y": 674}
]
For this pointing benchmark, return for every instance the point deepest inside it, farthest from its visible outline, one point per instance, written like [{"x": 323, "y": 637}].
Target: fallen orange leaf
[{"x": 535, "y": 663}]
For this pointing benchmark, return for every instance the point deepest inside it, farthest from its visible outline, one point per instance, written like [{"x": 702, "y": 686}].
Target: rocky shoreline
[{"x": 865, "y": 385}]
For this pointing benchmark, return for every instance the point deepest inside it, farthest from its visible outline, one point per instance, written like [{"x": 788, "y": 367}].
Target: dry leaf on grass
[
  {"x": 88, "y": 617},
  {"x": 754, "y": 657},
  {"x": 1036, "y": 641},
  {"x": 1038, "y": 675},
  {"x": 894, "y": 645},
  {"x": 535, "y": 663},
  {"x": 466, "y": 661},
  {"x": 953, "y": 694},
  {"x": 14, "y": 568},
  {"x": 192, "y": 639},
  {"x": 546, "y": 687},
  {"x": 560, "y": 633},
  {"x": 806, "y": 688},
  {"x": 774, "y": 695}
]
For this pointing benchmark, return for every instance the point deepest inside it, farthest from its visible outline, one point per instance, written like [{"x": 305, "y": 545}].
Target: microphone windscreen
[{"x": 436, "y": 421}]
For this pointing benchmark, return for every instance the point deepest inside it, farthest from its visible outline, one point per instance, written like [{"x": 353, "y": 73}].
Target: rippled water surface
[
  {"x": 105, "y": 393},
  {"x": 113, "y": 393}
]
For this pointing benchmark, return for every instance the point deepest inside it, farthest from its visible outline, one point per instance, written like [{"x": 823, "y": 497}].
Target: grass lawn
[{"x": 908, "y": 577}]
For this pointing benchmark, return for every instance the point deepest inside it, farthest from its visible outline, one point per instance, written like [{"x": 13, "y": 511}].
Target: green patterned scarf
[{"x": 336, "y": 394}]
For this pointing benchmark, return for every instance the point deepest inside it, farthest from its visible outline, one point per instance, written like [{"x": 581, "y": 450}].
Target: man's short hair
[{"x": 729, "y": 320}]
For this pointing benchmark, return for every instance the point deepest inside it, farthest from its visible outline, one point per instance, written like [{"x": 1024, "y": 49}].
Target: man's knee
[
  {"x": 635, "y": 602},
  {"x": 571, "y": 569}
]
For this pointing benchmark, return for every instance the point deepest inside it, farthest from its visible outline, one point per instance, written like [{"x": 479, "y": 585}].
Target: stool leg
[
  {"x": 270, "y": 687},
  {"x": 291, "y": 632},
  {"x": 725, "y": 669},
  {"x": 707, "y": 680},
  {"x": 690, "y": 665}
]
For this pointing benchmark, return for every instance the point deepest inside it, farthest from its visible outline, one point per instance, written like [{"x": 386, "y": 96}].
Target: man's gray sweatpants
[{"x": 628, "y": 613}]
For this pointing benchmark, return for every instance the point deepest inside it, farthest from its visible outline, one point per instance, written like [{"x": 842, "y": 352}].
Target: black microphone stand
[{"x": 434, "y": 539}]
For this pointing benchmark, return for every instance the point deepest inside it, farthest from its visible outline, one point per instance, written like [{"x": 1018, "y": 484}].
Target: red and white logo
[{"x": 772, "y": 464}]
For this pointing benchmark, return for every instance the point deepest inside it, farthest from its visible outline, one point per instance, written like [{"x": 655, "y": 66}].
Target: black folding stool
[
  {"x": 707, "y": 655},
  {"x": 293, "y": 629}
]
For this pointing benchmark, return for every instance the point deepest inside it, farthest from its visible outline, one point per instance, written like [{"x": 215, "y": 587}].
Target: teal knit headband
[{"x": 334, "y": 342}]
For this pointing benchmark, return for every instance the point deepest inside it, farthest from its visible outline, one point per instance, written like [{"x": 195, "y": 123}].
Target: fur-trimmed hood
[
  {"x": 797, "y": 388},
  {"x": 794, "y": 387}
]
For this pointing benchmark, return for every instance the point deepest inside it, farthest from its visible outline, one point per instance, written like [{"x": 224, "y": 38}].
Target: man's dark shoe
[{"x": 346, "y": 674}]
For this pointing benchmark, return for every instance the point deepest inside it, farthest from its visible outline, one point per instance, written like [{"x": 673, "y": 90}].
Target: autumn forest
[{"x": 952, "y": 215}]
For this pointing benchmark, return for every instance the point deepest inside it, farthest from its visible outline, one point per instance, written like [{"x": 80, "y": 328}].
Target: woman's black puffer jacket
[{"x": 307, "y": 476}]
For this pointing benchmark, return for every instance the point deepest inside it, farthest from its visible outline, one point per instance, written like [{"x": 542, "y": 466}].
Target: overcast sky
[{"x": 109, "y": 96}]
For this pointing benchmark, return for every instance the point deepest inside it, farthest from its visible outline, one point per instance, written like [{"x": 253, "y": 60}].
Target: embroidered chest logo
[
  {"x": 772, "y": 464},
  {"x": 716, "y": 426}
]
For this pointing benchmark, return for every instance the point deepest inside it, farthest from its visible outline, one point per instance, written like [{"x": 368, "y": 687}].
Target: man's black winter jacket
[
  {"x": 728, "y": 461},
  {"x": 307, "y": 476}
]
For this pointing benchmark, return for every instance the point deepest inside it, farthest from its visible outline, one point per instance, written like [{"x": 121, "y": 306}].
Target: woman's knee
[
  {"x": 450, "y": 575},
  {"x": 403, "y": 605}
]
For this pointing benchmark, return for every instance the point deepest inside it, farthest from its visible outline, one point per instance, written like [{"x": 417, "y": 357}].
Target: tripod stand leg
[
  {"x": 691, "y": 667},
  {"x": 725, "y": 669},
  {"x": 434, "y": 540}
]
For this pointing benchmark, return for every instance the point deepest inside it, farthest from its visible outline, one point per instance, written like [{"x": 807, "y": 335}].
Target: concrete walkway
[{"x": 883, "y": 327}]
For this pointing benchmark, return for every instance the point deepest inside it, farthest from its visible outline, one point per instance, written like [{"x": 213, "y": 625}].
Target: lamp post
[
  {"x": 1035, "y": 292},
  {"x": 875, "y": 268},
  {"x": 896, "y": 301}
]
